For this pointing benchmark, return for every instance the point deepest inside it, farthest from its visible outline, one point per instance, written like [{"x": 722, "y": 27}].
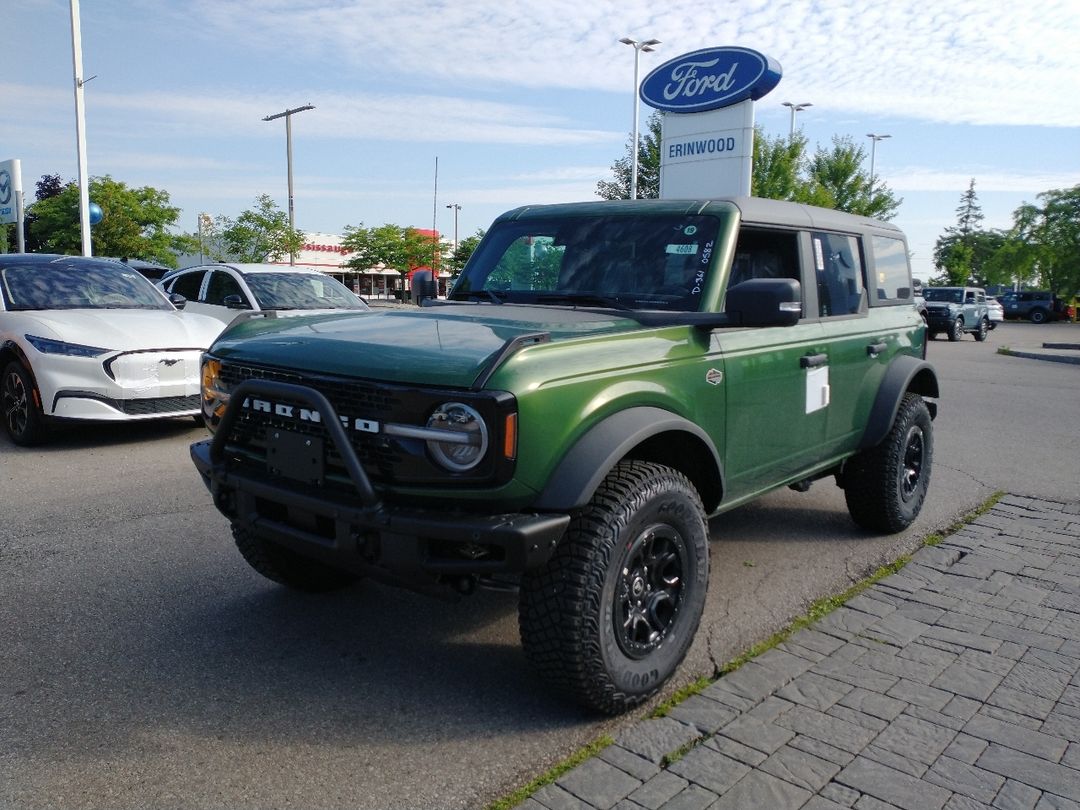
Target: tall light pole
[
  {"x": 456, "y": 208},
  {"x": 874, "y": 138},
  {"x": 794, "y": 109},
  {"x": 647, "y": 47},
  {"x": 287, "y": 115},
  {"x": 80, "y": 127}
]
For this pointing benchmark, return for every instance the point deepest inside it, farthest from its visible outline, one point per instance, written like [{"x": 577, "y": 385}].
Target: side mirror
[
  {"x": 177, "y": 300},
  {"x": 765, "y": 302},
  {"x": 423, "y": 286},
  {"x": 235, "y": 302}
]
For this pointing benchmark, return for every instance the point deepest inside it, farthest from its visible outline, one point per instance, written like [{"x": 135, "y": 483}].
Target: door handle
[
  {"x": 874, "y": 349},
  {"x": 813, "y": 360}
]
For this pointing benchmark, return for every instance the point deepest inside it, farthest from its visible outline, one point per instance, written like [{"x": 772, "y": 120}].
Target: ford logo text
[{"x": 710, "y": 79}]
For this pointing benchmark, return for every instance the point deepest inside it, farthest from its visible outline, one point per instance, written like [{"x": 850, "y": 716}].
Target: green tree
[
  {"x": 963, "y": 252},
  {"x": 648, "y": 185},
  {"x": 836, "y": 180},
  {"x": 260, "y": 234},
  {"x": 466, "y": 247},
  {"x": 398, "y": 248},
  {"x": 1043, "y": 246},
  {"x": 776, "y": 166},
  {"x": 135, "y": 221}
]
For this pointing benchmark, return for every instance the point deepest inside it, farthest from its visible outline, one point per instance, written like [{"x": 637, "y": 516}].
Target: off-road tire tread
[
  {"x": 870, "y": 485},
  {"x": 560, "y": 605}
]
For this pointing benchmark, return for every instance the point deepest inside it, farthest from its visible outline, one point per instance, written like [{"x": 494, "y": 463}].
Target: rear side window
[
  {"x": 891, "y": 277},
  {"x": 839, "y": 270}
]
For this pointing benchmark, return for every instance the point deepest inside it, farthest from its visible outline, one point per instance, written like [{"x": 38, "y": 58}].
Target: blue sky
[{"x": 525, "y": 101}]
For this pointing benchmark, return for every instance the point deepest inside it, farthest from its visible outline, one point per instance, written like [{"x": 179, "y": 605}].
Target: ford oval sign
[{"x": 709, "y": 79}]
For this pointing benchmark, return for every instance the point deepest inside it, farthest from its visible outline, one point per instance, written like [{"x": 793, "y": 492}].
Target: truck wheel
[
  {"x": 931, "y": 335},
  {"x": 611, "y": 615},
  {"x": 286, "y": 566},
  {"x": 1038, "y": 315},
  {"x": 983, "y": 330},
  {"x": 885, "y": 486},
  {"x": 22, "y": 416},
  {"x": 956, "y": 329}
]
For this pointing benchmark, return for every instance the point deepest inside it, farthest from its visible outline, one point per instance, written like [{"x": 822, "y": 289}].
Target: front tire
[
  {"x": 983, "y": 330},
  {"x": 20, "y": 406},
  {"x": 611, "y": 616},
  {"x": 886, "y": 485},
  {"x": 1039, "y": 316},
  {"x": 286, "y": 567},
  {"x": 956, "y": 329}
]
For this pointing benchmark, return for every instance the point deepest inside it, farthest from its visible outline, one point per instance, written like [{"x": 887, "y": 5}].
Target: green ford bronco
[{"x": 603, "y": 379}]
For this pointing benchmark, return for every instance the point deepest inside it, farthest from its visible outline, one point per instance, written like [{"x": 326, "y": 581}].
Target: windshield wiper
[
  {"x": 482, "y": 295},
  {"x": 582, "y": 299}
]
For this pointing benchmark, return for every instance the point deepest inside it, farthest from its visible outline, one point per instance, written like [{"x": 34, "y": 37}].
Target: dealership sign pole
[
  {"x": 11, "y": 199},
  {"x": 707, "y": 137}
]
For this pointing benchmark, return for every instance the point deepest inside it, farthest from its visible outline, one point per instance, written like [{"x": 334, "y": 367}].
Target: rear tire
[
  {"x": 612, "y": 614},
  {"x": 20, "y": 406},
  {"x": 288, "y": 568},
  {"x": 886, "y": 485}
]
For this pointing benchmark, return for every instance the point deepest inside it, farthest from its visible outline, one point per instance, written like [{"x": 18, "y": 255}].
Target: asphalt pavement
[{"x": 954, "y": 683}]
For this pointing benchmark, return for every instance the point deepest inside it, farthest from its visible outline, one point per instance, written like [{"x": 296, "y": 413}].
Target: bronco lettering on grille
[{"x": 307, "y": 415}]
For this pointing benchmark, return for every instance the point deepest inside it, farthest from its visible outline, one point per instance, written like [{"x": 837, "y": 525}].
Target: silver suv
[{"x": 955, "y": 310}]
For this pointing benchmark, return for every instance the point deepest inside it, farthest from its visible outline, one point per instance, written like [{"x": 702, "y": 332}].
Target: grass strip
[{"x": 551, "y": 776}]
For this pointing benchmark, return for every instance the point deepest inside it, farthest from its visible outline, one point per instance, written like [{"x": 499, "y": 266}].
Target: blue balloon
[{"x": 95, "y": 213}]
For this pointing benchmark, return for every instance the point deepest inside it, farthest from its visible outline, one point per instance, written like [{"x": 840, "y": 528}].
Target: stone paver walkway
[{"x": 954, "y": 684}]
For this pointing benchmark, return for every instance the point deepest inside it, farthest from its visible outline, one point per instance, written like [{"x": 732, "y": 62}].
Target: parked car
[
  {"x": 90, "y": 339},
  {"x": 149, "y": 269},
  {"x": 995, "y": 311},
  {"x": 1038, "y": 306},
  {"x": 225, "y": 290},
  {"x": 956, "y": 310}
]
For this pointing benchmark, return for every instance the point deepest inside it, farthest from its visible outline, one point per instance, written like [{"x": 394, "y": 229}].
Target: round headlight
[{"x": 467, "y": 436}]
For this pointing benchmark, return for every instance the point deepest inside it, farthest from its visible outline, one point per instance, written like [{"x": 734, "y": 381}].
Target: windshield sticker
[
  {"x": 819, "y": 258},
  {"x": 707, "y": 253},
  {"x": 690, "y": 230},
  {"x": 682, "y": 250}
]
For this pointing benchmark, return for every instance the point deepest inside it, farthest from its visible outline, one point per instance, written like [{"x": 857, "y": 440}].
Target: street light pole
[
  {"x": 794, "y": 109},
  {"x": 456, "y": 208},
  {"x": 80, "y": 127},
  {"x": 874, "y": 138},
  {"x": 287, "y": 115},
  {"x": 647, "y": 47}
]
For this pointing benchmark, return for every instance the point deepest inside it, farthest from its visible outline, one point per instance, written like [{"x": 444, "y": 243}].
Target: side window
[
  {"x": 761, "y": 253},
  {"x": 187, "y": 284},
  {"x": 892, "y": 278},
  {"x": 222, "y": 284},
  {"x": 838, "y": 265}
]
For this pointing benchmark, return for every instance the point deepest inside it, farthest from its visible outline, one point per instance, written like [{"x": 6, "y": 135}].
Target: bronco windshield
[
  {"x": 621, "y": 262},
  {"x": 950, "y": 295}
]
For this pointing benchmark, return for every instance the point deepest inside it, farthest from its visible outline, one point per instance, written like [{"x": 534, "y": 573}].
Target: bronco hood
[{"x": 449, "y": 345}]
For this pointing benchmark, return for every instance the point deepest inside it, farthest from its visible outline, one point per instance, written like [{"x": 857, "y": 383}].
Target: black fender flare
[
  {"x": 591, "y": 458},
  {"x": 905, "y": 373}
]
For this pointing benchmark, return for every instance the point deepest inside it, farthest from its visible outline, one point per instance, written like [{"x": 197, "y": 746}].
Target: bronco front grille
[{"x": 386, "y": 459}]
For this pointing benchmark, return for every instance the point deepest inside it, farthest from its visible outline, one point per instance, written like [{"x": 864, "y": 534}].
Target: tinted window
[
  {"x": 892, "y": 280},
  {"x": 838, "y": 265},
  {"x": 222, "y": 284},
  {"x": 187, "y": 284}
]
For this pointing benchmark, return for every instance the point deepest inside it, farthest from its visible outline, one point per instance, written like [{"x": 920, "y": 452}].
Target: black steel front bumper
[{"x": 361, "y": 533}]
